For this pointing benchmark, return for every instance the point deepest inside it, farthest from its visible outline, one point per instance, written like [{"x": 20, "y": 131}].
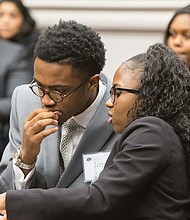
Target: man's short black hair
[{"x": 74, "y": 44}]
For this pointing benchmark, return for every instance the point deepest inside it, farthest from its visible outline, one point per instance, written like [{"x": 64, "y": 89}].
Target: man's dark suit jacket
[{"x": 145, "y": 178}]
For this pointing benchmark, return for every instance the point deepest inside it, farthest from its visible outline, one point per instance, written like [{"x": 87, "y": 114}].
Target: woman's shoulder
[
  {"x": 151, "y": 121},
  {"x": 151, "y": 126},
  {"x": 151, "y": 132}
]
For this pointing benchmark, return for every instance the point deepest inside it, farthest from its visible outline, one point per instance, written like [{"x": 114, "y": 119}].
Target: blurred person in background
[
  {"x": 17, "y": 25},
  {"x": 177, "y": 34},
  {"x": 14, "y": 71},
  {"x": 18, "y": 36}
]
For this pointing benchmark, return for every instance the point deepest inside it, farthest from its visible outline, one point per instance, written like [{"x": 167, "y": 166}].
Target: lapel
[
  {"x": 95, "y": 136},
  {"x": 50, "y": 158}
]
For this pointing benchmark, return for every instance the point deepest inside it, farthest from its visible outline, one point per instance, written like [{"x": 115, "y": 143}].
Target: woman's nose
[
  {"x": 178, "y": 40},
  {"x": 109, "y": 103}
]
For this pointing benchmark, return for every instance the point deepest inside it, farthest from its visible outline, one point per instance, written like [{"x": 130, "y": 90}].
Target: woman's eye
[
  {"x": 172, "y": 34},
  {"x": 118, "y": 93},
  {"x": 187, "y": 35}
]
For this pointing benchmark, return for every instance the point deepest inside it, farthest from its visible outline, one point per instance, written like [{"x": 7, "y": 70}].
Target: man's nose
[{"x": 47, "y": 100}]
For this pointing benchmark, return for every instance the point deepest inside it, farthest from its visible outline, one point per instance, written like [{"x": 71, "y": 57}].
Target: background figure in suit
[
  {"x": 17, "y": 25},
  {"x": 177, "y": 34},
  {"x": 14, "y": 71},
  {"x": 147, "y": 173},
  {"x": 68, "y": 60}
]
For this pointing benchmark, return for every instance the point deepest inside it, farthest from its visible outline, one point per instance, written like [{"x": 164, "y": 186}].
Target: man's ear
[{"x": 94, "y": 82}]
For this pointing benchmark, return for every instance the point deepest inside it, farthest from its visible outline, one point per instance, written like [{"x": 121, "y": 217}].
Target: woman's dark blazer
[{"x": 144, "y": 178}]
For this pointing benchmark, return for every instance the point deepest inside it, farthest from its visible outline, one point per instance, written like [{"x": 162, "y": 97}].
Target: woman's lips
[{"x": 109, "y": 120}]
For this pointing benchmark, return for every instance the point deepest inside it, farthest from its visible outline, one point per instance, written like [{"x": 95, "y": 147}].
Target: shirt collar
[{"x": 83, "y": 118}]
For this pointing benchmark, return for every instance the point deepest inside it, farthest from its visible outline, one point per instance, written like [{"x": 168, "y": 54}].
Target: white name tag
[{"x": 94, "y": 164}]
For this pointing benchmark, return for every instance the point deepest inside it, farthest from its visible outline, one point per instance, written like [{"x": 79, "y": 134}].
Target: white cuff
[{"x": 22, "y": 182}]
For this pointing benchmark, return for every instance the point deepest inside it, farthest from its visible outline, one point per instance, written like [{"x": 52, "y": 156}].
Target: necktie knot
[{"x": 69, "y": 126}]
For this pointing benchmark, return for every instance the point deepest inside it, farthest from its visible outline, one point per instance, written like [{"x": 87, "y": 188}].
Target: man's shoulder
[
  {"x": 23, "y": 90},
  {"x": 23, "y": 94},
  {"x": 105, "y": 79}
]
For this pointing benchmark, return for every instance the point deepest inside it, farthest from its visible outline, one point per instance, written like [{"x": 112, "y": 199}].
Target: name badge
[{"x": 94, "y": 164}]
